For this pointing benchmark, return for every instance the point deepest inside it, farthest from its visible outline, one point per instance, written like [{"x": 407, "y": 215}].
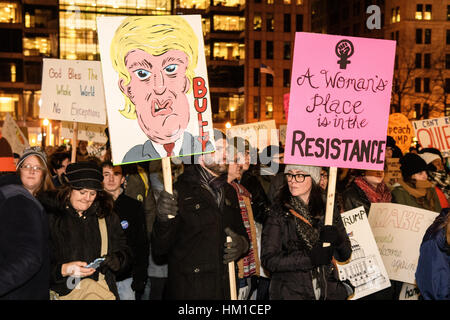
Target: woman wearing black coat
[
  {"x": 75, "y": 238},
  {"x": 292, "y": 241}
]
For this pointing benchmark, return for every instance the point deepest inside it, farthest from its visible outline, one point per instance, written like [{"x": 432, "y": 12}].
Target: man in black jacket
[
  {"x": 206, "y": 211},
  {"x": 131, "y": 214}
]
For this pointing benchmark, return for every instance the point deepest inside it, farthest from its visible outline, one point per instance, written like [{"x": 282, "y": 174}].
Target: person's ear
[
  {"x": 187, "y": 85},
  {"x": 126, "y": 90}
]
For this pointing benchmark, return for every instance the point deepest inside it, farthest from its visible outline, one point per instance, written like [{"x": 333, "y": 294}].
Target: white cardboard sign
[
  {"x": 398, "y": 231},
  {"x": 365, "y": 270},
  {"x": 72, "y": 90}
]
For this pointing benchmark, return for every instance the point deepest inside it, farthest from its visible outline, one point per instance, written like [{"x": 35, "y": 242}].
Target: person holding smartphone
[{"x": 75, "y": 239}]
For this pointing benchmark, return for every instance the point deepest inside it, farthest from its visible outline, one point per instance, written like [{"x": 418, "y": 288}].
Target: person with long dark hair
[{"x": 293, "y": 237}]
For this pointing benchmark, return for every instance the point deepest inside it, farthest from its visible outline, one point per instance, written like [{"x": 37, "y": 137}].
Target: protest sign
[
  {"x": 398, "y": 231},
  {"x": 72, "y": 90},
  {"x": 14, "y": 135},
  {"x": 409, "y": 292},
  {"x": 339, "y": 101},
  {"x": 365, "y": 270},
  {"x": 392, "y": 173},
  {"x": 86, "y": 131},
  {"x": 434, "y": 133},
  {"x": 156, "y": 85},
  {"x": 400, "y": 128},
  {"x": 258, "y": 134},
  {"x": 283, "y": 134}
]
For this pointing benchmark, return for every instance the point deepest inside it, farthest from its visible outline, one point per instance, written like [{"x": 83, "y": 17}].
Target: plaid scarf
[
  {"x": 379, "y": 194},
  {"x": 441, "y": 180},
  {"x": 248, "y": 264}
]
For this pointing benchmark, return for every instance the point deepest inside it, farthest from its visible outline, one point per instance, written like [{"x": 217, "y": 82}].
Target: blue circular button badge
[{"x": 124, "y": 224}]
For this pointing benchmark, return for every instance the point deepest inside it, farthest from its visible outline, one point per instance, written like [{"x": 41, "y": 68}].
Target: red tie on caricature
[{"x": 169, "y": 148}]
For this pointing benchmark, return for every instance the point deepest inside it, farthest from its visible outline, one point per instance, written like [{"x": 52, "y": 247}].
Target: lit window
[
  {"x": 427, "y": 14},
  {"x": 257, "y": 22},
  {"x": 395, "y": 15},
  {"x": 269, "y": 107},
  {"x": 9, "y": 13}
]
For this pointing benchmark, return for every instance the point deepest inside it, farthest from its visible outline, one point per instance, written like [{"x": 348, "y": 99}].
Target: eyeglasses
[
  {"x": 299, "y": 177},
  {"x": 29, "y": 167}
]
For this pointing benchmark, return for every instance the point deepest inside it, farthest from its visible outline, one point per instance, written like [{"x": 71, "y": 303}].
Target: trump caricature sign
[
  {"x": 339, "y": 101},
  {"x": 156, "y": 87}
]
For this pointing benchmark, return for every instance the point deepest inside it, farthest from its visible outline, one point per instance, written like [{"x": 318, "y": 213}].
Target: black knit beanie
[
  {"x": 84, "y": 175},
  {"x": 410, "y": 164}
]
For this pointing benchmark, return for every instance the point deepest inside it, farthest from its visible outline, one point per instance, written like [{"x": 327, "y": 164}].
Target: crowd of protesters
[{"x": 58, "y": 217}]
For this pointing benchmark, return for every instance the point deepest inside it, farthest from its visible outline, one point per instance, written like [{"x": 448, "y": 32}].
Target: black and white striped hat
[{"x": 84, "y": 175}]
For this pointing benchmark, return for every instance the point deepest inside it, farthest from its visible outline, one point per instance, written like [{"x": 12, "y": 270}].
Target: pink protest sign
[{"x": 339, "y": 101}]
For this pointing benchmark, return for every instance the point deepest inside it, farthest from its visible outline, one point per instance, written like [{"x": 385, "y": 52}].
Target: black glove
[
  {"x": 138, "y": 285},
  {"x": 112, "y": 261},
  {"x": 166, "y": 205},
  {"x": 331, "y": 235},
  {"x": 234, "y": 249},
  {"x": 320, "y": 255}
]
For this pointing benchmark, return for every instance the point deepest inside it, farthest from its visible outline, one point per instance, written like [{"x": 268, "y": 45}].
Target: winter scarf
[
  {"x": 441, "y": 180},
  {"x": 422, "y": 192},
  {"x": 379, "y": 194},
  {"x": 248, "y": 265},
  {"x": 214, "y": 184},
  {"x": 306, "y": 232}
]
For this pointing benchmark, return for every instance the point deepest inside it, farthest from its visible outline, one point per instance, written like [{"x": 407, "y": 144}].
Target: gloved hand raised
[
  {"x": 234, "y": 249},
  {"x": 166, "y": 205}
]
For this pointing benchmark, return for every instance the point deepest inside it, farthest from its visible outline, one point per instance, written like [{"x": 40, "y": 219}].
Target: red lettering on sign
[{"x": 201, "y": 106}]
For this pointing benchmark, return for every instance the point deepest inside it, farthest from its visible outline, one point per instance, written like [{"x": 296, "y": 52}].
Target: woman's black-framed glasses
[{"x": 299, "y": 177}]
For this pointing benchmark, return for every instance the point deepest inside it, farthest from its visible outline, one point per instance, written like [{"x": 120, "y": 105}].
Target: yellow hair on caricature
[{"x": 155, "y": 35}]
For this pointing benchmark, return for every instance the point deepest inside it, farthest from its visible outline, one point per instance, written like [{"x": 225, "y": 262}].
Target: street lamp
[{"x": 45, "y": 124}]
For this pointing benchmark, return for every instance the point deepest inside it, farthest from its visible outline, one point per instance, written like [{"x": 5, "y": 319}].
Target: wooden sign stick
[
  {"x": 330, "y": 198},
  {"x": 232, "y": 276},
  {"x": 74, "y": 142},
  {"x": 167, "y": 177}
]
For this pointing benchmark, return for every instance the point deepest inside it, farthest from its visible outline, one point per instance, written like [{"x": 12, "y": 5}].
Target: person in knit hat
[
  {"x": 24, "y": 247},
  {"x": 437, "y": 174},
  {"x": 6, "y": 157},
  {"x": 292, "y": 241},
  {"x": 75, "y": 212},
  {"x": 414, "y": 189}
]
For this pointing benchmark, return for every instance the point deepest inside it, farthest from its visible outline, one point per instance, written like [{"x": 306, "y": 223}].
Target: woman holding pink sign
[{"x": 292, "y": 241}]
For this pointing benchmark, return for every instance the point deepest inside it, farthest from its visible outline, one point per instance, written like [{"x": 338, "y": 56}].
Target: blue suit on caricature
[{"x": 146, "y": 151}]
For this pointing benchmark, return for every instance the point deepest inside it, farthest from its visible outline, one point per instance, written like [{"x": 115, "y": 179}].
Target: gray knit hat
[
  {"x": 312, "y": 170},
  {"x": 32, "y": 151}
]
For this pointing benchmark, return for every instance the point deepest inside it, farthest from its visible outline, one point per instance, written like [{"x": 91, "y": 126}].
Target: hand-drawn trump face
[
  {"x": 158, "y": 88},
  {"x": 156, "y": 58}
]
